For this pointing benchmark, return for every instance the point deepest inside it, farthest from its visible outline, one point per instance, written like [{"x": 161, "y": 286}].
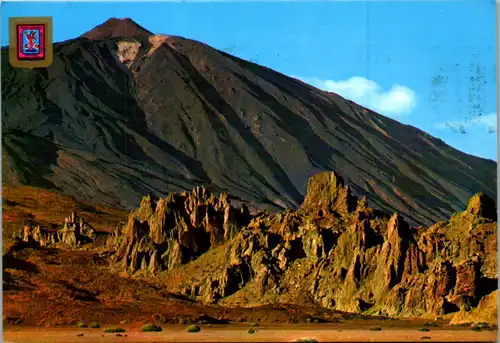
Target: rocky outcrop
[
  {"x": 326, "y": 192},
  {"x": 486, "y": 311},
  {"x": 482, "y": 206},
  {"x": 74, "y": 233},
  {"x": 32, "y": 233},
  {"x": 337, "y": 252},
  {"x": 164, "y": 233},
  {"x": 334, "y": 251}
]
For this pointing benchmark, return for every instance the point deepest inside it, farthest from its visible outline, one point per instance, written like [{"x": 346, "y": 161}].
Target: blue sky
[{"x": 428, "y": 64}]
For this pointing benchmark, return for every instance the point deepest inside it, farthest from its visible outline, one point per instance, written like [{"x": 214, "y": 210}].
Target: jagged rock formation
[
  {"x": 334, "y": 251},
  {"x": 162, "y": 234},
  {"x": 36, "y": 234},
  {"x": 339, "y": 253},
  {"x": 74, "y": 233}
]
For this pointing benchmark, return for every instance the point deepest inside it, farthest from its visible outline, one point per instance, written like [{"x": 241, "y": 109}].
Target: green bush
[
  {"x": 306, "y": 340},
  {"x": 314, "y": 320},
  {"x": 150, "y": 327},
  {"x": 476, "y": 328},
  {"x": 432, "y": 324},
  {"x": 111, "y": 330},
  {"x": 193, "y": 328},
  {"x": 81, "y": 325},
  {"x": 376, "y": 329},
  {"x": 95, "y": 325},
  {"x": 462, "y": 325},
  {"x": 426, "y": 337},
  {"x": 424, "y": 329},
  {"x": 251, "y": 331}
]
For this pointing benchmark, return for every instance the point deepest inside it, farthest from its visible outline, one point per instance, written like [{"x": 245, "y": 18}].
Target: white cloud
[
  {"x": 398, "y": 100},
  {"x": 488, "y": 121}
]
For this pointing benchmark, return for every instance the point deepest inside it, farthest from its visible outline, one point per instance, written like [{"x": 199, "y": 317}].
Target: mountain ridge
[{"x": 120, "y": 116}]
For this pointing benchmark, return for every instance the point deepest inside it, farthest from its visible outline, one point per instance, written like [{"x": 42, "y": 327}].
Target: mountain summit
[
  {"x": 117, "y": 28},
  {"x": 121, "y": 113}
]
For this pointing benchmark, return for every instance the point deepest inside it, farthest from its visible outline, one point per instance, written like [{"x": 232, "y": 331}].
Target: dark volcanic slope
[{"x": 171, "y": 113}]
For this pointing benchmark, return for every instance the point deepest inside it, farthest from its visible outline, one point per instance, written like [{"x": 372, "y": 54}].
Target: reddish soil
[
  {"x": 239, "y": 333},
  {"x": 47, "y": 287}
]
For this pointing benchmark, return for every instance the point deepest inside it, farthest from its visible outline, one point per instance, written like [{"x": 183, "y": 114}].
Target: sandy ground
[{"x": 226, "y": 333}]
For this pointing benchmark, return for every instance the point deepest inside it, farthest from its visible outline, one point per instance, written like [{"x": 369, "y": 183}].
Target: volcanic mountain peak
[
  {"x": 183, "y": 114},
  {"x": 117, "y": 28}
]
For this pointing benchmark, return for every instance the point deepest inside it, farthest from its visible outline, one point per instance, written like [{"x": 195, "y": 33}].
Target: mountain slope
[{"x": 121, "y": 113}]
